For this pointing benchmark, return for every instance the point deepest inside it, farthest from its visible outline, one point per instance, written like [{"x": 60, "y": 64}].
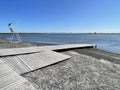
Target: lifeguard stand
[{"x": 14, "y": 34}]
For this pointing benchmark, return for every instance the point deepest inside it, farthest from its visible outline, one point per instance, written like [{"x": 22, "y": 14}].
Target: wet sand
[{"x": 100, "y": 54}]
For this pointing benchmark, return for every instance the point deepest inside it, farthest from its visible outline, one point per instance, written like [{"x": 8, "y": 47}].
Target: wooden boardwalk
[
  {"x": 10, "y": 80},
  {"x": 23, "y": 60},
  {"x": 18, "y": 51},
  {"x": 66, "y": 46},
  {"x": 29, "y": 62},
  {"x": 27, "y": 50},
  {"x": 16, "y": 61}
]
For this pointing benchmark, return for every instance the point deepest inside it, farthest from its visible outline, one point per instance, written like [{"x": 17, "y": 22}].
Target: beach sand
[
  {"x": 4, "y": 43},
  {"x": 88, "y": 69},
  {"x": 81, "y": 72}
]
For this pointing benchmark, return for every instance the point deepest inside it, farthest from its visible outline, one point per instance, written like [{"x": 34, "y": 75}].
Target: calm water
[{"x": 109, "y": 42}]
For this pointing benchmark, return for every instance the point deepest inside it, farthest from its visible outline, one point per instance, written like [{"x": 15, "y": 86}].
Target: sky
[{"x": 69, "y": 16}]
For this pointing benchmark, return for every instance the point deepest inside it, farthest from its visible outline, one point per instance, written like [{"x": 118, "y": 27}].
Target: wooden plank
[
  {"x": 33, "y": 61},
  {"x": 18, "y": 51},
  {"x": 10, "y": 80},
  {"x": 66, "y": 46},
  {"x": 51, "y": 57},
  {"x": 26, "y": 63},
  {"x": 39, "y": 60},
  {"x": 26, "y": 50},
  {"x": 17, "y": 64}
]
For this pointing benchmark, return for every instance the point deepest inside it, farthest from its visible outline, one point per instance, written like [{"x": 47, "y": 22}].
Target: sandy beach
[
  {"x": 88, "y": 69},
  {"x": 4, "y": 43},
  {"x": 81, "y": 72}
]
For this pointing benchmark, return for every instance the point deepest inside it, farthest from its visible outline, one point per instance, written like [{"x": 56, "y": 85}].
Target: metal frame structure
[{"x": 14, "y": 34}]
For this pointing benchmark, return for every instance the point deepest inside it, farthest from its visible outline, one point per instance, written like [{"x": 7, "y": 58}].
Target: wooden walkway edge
[
  {"x": 26, "y": 63},
  {"x": 35, "y": 49},
  {"x": 10, "y": 80}
]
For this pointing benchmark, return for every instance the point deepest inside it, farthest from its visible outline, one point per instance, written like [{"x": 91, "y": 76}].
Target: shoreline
[
  {"x": 87, "y": 69},
  {"x": 94, "y": 52},
  {"x": 113, "y": 57},
  {"x": 5, "y": 43}
]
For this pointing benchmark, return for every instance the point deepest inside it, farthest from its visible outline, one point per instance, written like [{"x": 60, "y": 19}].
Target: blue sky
[{"x": 60, "y": 15}]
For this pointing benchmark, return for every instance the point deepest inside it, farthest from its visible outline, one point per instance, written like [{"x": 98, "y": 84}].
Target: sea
[{"x": 105, "y": 41}]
